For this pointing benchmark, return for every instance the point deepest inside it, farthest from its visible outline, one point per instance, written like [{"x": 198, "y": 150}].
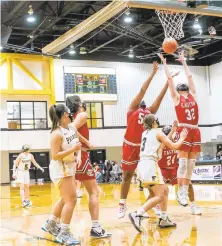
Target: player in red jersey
[
  {"x": 184, "y": 98},
  {"x": 132, "y": 139},
  {"x": 84, "y": 171}
]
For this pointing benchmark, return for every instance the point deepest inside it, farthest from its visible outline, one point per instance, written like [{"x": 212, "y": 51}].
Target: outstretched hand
[
  {"x": 162, "y": 58},
  {"x": 155, "y": 66},
  {"x": 175, "y": 74},
  {"x": 181, "y": 57}
]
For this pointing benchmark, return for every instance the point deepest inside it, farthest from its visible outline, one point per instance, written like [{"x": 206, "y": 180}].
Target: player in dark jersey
[
  {"x": 131, "y": 146},
  {"x": 186, "y": 107},
  {"x": 84, "y": 171}
]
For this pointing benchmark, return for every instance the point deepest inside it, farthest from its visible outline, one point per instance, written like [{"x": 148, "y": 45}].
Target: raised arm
[
  {"x": 36, "y": 164},
  {"x": 188, "y": 74},
  {"x": 174, "y": 94},
  {"x": 173, "y": 129},
  {"x": 134, "y": 105},
  {"x": 161, "y": 137}
]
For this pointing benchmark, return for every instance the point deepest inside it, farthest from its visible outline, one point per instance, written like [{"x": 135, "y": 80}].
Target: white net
[{"x": 172, "y": 23}]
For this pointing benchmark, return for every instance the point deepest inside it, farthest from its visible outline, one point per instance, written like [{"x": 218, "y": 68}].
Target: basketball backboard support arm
[{"x": 175, "y": 6}]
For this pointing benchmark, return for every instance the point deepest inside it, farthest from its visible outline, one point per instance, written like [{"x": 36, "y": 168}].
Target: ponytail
[
  {"x": 55, "y": 113},
  {"x": 54, "y": 118}
]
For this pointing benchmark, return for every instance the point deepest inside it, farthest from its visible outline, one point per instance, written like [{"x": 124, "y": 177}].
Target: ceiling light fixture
[
  {"x": 1, "y": 47},
  {"x": 31, "y": 18},
  {"x": 72, "y": 50},
  {"x": 128, "y": 18},
  {"x": 131, "y": 54},
  {"x": 196, "y": 24},
  {"x": 82, "y": 51}
]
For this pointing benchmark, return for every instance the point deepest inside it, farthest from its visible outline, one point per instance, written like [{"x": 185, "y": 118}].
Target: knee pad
[
  {"x": 190, "y": 166},
  {"x": 181, "y": 171}
]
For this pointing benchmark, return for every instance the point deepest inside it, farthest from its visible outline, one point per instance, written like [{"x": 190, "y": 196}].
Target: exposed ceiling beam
[
  {"x": 69, "y": 7},
  {"x": 15, "y": 10},
  {"x": 85, "y": 27}
]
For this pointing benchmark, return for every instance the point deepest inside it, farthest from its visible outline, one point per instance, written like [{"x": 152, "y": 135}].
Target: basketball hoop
[{"x": 172, "y": 23}]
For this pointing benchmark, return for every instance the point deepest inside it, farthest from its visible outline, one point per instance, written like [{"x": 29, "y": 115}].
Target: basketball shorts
[
  {"x": 60, "y": 169},
  {"x": 149, "y": 173},
  {"x": 130, "y": 157},
  {"x": 23, "y": 177},
  {"x": 170, "y": 175},
  {"x": 192, "y": 143},
  {"x": 85, "y": 170}
]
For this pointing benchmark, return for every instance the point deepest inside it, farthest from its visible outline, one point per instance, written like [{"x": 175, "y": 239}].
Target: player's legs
[
  {"x": 160, "y": 192},
  {"x": 183, "y": 181},
  {"x": 124, "y": 190},
  {"x": 78, "y": 189},
  {"x": 26, "y": 192}
]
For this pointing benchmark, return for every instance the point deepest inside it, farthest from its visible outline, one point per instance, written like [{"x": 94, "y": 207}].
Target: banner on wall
[{"x": 213, "y": 172}]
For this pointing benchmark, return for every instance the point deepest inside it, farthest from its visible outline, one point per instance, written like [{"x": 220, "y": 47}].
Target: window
[
  {"x": 95, "y": 114},
  {"x": 27, "y": 115}
]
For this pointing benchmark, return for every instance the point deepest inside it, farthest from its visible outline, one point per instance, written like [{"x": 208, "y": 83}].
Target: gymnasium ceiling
[{"x": 108, "y": 42}]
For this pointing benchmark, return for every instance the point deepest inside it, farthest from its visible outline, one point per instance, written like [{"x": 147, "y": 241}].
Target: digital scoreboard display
[{"x": 100, "y": 83}]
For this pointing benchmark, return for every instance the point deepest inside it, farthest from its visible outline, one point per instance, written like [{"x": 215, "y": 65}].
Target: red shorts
[
  {"x": 85, "y": 171},
  {"x": 130, "y": 157},
  {"x": 192, "y": 143},
  {"x": 170, "y": 175}
]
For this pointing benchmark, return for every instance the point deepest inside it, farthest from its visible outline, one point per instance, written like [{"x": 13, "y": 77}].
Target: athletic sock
[
  {"x": 122, "y": 201},
  {"x": 53, "y": 218},
  {"x": 95, "y": 224},
  {"x": 186, "y": 188},
  {"x": 192, "y": 204},
  {"x": 64, "y": 227},
  {"x": 163, "y": 215},
  {"x": 140, "y": 211}
]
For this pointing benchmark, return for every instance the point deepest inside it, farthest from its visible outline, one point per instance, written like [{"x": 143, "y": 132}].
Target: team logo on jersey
[
  {"x": 90, "y": 172},
  {"x": 69, "y": 139}
]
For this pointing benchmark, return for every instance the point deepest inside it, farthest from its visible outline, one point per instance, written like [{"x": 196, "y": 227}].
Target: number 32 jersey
[
  {"x": 135, "y": 127},
  {"x": 187, "y": 110}
]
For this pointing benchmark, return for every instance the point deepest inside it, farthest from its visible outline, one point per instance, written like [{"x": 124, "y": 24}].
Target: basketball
[{"x": 170, "y": 45}]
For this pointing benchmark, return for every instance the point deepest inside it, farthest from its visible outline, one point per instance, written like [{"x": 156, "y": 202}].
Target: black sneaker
[
  {"x": 136, "y": 221},
  {"x": 99, "y": 232}
]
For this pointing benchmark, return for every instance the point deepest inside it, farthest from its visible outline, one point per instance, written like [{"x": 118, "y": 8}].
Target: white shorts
[
  {"x": 149, "y": 173},
  {"x": 61, "y": 169},
  {"x": 23, "y": 177}
]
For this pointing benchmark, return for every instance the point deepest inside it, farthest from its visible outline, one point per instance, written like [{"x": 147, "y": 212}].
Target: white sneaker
[
  {"x": 66, "y": 237},
  {"x": 166, "y": 223},
  {"x": 195, "y": 210},
  {"x": 156, "y": 210},
  {"x": 121, "y": 210},
  {"x": 136, "y": 221},
  {"x": 79, "y": 194},
  {"x": 182, "y": 196}
]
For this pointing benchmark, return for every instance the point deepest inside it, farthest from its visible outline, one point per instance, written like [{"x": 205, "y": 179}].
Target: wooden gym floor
[{"x": 23, "y": 226}]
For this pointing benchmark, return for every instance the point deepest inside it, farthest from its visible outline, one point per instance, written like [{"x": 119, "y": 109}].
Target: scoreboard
[{"x": 92, "y": 84}]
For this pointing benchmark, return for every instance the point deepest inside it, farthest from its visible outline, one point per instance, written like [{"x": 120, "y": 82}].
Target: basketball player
[
  {"x": 153, "y": 141},
  {"x": 132, "y": 139},
  {"x": 184, "y": 98},
  {"x": 65, "y": 149},
  {"x": 21, "y": 168},
  {"x": 85, "y": 172},
  {"x": 168, "y": 166}
]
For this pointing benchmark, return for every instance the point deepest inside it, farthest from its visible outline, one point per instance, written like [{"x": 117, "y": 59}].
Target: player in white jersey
[
  {"x": 149, "y": 173},
  {"x": 65, "y": 152},
  {"x": 21, "y": 168}
]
